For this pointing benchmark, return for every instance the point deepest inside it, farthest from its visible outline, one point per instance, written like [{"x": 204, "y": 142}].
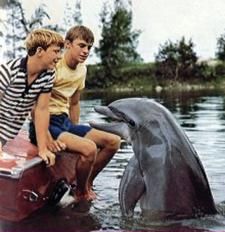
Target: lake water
[{"x": 201, "y": 114}]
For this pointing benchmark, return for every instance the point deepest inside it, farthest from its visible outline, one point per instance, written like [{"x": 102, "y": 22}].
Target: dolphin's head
[{"x": 127, "y": 115}]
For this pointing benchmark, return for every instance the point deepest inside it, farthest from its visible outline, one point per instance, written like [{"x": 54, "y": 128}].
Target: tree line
[{"x": 117, "y": 50}]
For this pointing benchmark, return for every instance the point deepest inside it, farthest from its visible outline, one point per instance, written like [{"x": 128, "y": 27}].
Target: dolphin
[{"x": 165, "y": 175}]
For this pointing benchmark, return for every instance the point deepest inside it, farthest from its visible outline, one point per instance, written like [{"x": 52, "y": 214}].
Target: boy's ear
[
  {"x": 67, "y": 43},
  {"x": 39, "y": 50}
]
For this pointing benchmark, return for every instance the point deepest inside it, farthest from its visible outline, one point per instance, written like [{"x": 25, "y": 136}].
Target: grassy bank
[
  {"x": 143, "y": 77},
  {"x": 146, "y": 85}
]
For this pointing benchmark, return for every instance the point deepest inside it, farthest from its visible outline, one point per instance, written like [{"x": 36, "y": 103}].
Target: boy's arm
[
  {"x": 52, "y": 145},
  {"x": 41, "y": 121},
  {"x": 75, "y": 107},
  {"x": 5, "y": 77}
]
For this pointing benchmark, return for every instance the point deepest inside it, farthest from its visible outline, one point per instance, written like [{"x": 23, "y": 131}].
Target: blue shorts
[{"x": 59, "y": 124}]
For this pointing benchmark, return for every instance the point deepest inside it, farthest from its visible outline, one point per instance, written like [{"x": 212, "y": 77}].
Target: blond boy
[{"x": 27, "y": 81}]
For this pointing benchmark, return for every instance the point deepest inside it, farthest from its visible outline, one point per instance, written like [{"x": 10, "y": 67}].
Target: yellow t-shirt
[{"x": 67, "y": 81}]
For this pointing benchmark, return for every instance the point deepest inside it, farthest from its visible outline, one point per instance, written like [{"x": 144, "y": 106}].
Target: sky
[{"x": 203, "y": 21}]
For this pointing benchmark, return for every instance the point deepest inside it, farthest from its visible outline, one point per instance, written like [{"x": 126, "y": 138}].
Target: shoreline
[{"x": 167, "y": 86}]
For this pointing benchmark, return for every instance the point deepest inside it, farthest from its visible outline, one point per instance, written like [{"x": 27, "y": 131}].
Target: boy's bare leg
[
  {"x": 108, "y": 144},
  {"x": 87, "y": 151}
]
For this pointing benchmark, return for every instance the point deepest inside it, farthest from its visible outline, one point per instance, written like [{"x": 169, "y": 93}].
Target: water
[{"x": 201, "y": 114}]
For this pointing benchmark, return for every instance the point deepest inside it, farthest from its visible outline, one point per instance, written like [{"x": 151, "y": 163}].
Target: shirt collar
[{"x": 23, "y": 63}]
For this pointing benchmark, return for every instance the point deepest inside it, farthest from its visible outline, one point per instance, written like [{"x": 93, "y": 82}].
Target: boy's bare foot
[
  {"x": 81, "y": 207},
  {"x": 92, "y": 194},
  {"x": 82, "y": 197}
]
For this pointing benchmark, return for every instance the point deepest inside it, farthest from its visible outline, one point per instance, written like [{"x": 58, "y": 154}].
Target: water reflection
[
  {"x": 201, "y": 114},
  {"x": 56, "y": 219}
]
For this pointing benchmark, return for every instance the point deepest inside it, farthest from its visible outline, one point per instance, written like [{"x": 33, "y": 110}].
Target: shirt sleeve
[
  {"x": 4, "y": 77},
  {"x": 83, "y": 79},
  {"x": 49, "y": 82}
]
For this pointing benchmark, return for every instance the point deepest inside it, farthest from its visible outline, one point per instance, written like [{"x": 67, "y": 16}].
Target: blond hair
[
  {"x": 80, "y": 32},
  {"x": 42, "y": 38}
]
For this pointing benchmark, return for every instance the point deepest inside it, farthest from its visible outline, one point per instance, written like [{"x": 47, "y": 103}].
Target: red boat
[{"x": 27, "y": 184}]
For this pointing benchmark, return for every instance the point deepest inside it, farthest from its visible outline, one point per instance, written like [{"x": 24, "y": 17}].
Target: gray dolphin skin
[{"x": 165, "y": 175}]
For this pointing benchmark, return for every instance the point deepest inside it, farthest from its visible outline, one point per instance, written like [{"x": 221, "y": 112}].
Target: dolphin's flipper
[{"x": 131, "y": 187}]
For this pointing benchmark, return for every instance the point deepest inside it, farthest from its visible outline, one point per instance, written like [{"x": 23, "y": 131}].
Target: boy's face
[
  {"x": 79, "y": 49},
  {"x": 50, "y": 56}
]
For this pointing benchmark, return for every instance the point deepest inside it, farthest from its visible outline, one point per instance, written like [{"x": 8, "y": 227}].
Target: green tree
[
  {"x": 118, "y": 43},
  {"x": 18, "y": 26},
  {"x": 220, "y": 52},
  {"x": 72, "y": 14},
  {"x": 4, "y": 3},
  {"x": 176, "y": 61}
]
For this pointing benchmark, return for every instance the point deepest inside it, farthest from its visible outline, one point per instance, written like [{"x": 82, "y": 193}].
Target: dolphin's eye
[{"x": 131, "y": 123}]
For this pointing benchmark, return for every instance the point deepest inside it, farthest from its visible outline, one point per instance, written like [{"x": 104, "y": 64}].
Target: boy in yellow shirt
[{"x": 96, "y": 148}]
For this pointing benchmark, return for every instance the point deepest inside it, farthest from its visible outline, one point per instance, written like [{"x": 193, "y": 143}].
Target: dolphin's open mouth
[{"x": 118, "y": 125}]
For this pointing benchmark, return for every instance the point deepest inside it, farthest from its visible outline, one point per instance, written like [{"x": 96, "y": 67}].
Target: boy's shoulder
[
  {"x": 82, "y": 66},
  {"x": 13, "y": 63}
]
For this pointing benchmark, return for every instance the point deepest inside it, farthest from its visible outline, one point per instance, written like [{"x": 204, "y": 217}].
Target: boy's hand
[
  {"x": 56, "y": 146},
  {"x": 48, "y": 157}
]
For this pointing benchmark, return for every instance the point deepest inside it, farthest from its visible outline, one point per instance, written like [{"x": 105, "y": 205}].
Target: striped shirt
[{"x": 16, "y": 97}]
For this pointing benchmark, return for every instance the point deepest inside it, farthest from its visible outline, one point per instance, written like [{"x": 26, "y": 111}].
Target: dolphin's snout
[{"x": 104, "y": 110}]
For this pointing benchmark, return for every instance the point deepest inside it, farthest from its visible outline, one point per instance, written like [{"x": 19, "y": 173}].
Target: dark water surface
[{"x": 201, "y": 114}]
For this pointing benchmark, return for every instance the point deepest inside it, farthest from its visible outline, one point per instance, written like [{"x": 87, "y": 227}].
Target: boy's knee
[
  {"x": 90, "y": 152},
  {"x": 113, "y": 142}
]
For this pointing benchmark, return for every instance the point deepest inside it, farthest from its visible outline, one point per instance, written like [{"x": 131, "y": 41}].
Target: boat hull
[{"x": 27, "y": 184}]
